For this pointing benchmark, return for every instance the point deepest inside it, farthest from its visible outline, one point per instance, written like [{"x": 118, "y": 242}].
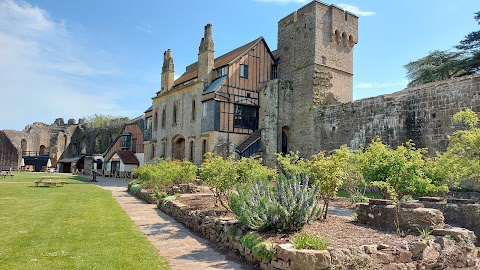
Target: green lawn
[{"x": 77, "y": 226}]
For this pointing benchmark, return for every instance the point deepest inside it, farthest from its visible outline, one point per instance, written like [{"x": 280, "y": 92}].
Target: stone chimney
[
  {"x": 206, "y": 56},
  {"x": 167, "y": 71}
]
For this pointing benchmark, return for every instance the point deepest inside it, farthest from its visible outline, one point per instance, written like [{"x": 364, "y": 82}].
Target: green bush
[
  {"x": 304, "y": 240},
  {"x": 286, "y": 206},
  {"x": 259, "y": 248},
  {"x": 135, "y": 189},
  {"x": 163, "y": 173},
  {"x": 221, "y": 175}
]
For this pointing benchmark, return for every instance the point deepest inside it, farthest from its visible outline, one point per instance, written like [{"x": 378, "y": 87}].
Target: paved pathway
[{"x": 182, "y": 248}]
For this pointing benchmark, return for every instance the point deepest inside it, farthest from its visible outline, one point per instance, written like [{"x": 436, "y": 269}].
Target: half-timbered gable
[{"x": 214, "y": 102}]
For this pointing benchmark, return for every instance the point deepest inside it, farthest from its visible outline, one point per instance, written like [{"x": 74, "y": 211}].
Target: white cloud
[
  {"x": 283, "y": 1},
  {"x": 145, "y": 28},
  {"x": 356, "y": 10},
  {"x": 45, "y": 74},
  {"x": 377, "y": 85}
]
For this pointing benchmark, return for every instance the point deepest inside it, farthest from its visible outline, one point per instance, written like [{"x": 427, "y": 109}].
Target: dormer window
[
  {"x": 223, "y": 71},
  {"x": 126, "y": 140}
]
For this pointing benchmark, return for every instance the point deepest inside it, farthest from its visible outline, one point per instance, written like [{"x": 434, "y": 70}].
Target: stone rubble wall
[
  {"x": 422, "y": 254},
  {"x": 461, "y": 212}
]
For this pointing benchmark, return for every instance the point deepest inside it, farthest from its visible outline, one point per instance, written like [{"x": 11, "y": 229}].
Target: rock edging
[{"x": 425, "y": 254}]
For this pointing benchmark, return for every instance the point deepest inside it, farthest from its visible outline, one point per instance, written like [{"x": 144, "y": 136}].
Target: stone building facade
[
  {"x": 58, "y": 140},
  {"x": 211, "y": 107}
]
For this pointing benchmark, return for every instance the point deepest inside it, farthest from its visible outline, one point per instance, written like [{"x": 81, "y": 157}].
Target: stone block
[
  {"x": 457, "y": 233},
  {"x": 380, "y": 202},
  {"x": 431, "y": 199},
  {"x": 460, "y": 201},
  {"x": 284, "y": 251},
  {"x": 310, "y": 259}
]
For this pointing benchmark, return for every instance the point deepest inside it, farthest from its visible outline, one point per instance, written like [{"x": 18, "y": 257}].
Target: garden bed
[
  {"x": 352, "y": 245},
  {"x": 341, "y": 232}
]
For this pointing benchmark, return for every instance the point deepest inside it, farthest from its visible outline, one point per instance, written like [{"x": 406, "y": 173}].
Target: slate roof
[
  {"x": 219, "y": 61},
  {"x": 127, "y": 157}
]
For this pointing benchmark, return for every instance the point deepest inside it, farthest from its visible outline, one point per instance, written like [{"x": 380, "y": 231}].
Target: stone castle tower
[
  {"x": 315, "y": 68},
  {"x": 315, "y": 45}
]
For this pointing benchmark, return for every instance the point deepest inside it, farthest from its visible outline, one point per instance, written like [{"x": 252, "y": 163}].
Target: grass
[
  {"x": 304, "y": 240},
  {"x": 78, "y": 226}
]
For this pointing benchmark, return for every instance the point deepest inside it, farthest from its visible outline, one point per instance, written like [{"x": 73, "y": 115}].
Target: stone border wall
[
  {"x": 461, "y": 212},
  {"x": 424, "y": 254}
]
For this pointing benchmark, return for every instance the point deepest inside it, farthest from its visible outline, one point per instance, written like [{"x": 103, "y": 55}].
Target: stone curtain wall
[
  {"x": 9, "y": 156},
  {"x": 422, "y": 114}
]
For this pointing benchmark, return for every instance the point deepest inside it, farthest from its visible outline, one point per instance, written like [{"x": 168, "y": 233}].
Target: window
[
  {"x": 223, "y": 71},
  {"x": 155, "y": 121},
  {"x": 204, "y": 111},
  {"x": 174, "y": 114},
  {"x": 244, "y": 71},
  {"x": 193, "y": 109},
  {"x": 273, "y": 71},
  {"x": 164, "y": 148},
  {"x": 163, "y": 118},
  {"x": 204, "y": 148},
  {"x": 245, "y": 117},
  {"x": 192, "y": 151},
  {"x": 152, "y": 151},
  {"x": 126, "y": 140},
  {"x": 134, "y": 145}
]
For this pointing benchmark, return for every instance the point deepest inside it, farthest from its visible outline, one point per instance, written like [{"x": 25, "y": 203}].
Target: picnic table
[
  {"x": 49, "y": 181},
  {"x": 6, "y": 171}
]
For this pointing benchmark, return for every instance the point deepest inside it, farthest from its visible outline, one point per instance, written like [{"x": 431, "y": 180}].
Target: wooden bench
[{"x": 49, "y": 181}]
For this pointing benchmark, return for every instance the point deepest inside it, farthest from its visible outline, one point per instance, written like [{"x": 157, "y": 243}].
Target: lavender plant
[{"x": 287, "y": 205}]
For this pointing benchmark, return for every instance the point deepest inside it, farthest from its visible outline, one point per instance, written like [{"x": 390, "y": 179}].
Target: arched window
[
  {"x": 41, "y": 152},
  {"x": 24, "y": 146},
  {"x": 164, "y": 148}
]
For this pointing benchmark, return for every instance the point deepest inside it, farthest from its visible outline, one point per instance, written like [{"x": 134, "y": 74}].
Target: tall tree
[
  {"x": 438, "y": 65},
  {"x": 441, "y": 65},
  {"x": 471, "y": 42}
]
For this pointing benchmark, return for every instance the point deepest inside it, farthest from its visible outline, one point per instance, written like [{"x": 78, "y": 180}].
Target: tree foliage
[
  {"x": 441, "y": 65},
  {"x": 461, "y": 161},
  {"x": 399, "y": 172},
  {"x": 99, "y": 120},
  {"x": 436, "y": 66},
  {"x": 222, "y": 175}
]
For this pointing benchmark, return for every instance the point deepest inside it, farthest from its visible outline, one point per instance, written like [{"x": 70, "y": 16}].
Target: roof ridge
[{"x": 191, "y": 74}]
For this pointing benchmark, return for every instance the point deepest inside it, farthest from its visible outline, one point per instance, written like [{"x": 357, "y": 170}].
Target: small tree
[
  {"x": 220, "y": 175},
  {"x": 291, "y": 165},
  {"x": 461, "y": 161},
  {"x": 398, "y": 172},
  {"x": 328, "y": 173}
]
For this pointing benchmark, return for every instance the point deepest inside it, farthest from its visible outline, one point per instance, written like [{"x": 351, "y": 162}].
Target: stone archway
[
  {"x": 178, "y": 148},
  {"x": 41, "y": 151}
]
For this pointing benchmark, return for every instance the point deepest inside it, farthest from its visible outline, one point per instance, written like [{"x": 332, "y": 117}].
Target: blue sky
[{"x": 71, "y": 59}]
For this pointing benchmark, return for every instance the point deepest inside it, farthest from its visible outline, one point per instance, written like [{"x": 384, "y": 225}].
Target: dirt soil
[{"x": 341, "y": 232}]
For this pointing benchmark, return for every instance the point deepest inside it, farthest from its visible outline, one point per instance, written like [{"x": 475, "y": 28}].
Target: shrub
[
  {"x": 250, "y": 170},
  {"x": 259, "y": 248},
  {"x": 286, "y": 206},
  {"x": 304, "y": 240},
  {"x": 220, "y": 175},
  {"x": 135, "y": 189},
  {"x": 291, "y": 165}
]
